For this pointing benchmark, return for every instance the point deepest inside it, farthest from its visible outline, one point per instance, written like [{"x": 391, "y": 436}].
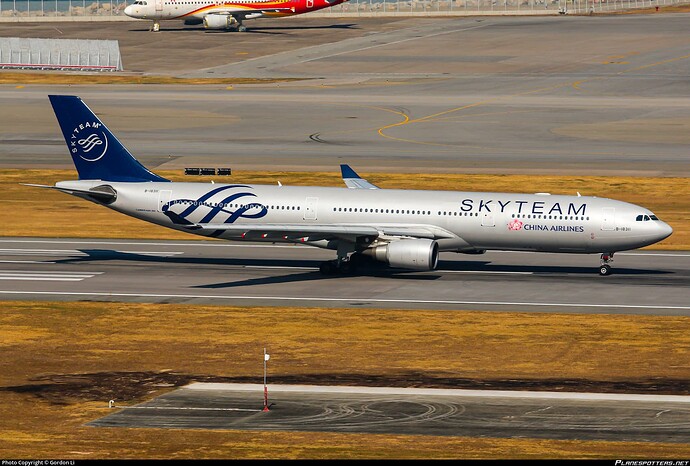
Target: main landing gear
[
  {"x": 605, "y": 268},
  {"x": 342, "y": 265}
]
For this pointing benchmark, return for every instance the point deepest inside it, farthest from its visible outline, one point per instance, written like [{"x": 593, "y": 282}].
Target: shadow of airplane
[{"x": 368, "y": 269}]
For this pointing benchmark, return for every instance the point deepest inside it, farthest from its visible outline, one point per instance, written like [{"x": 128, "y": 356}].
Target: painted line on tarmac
[
  {"x": 241, "y": 387},
  {"x": 186, "y": 408},
  {"x": 344, "y": 300}
]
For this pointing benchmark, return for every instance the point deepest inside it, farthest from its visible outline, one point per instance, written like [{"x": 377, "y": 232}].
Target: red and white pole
[{"x": 266, "y": 358}]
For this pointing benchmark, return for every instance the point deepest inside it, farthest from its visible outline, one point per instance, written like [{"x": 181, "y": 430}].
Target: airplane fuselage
[
  {"x": 458, "y": 221},
  {"x": 198, "y": 9}
]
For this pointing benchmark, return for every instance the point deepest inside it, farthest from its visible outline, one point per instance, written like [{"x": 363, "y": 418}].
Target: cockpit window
[
  {"x": 140, "y": 2},
  {"x": 646, "y": 218}
]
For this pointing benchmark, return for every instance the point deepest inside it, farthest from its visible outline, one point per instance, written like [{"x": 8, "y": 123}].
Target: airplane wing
[
  {"x": 249, "y": 14},
  {"x": 353, "y": 180},
  {"x": 305, "y": 232}
]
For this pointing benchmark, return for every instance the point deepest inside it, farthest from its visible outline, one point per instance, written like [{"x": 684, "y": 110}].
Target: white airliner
[
  {"x": 227, "y": 15},
  {"x": 402, "y": 228}
]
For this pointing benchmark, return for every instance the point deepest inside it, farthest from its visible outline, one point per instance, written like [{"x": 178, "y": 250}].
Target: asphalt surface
[
  {"x": 486, "y": 413},
  {"x": 261, "y": 274},
  {"x": 571, "y": 95}
]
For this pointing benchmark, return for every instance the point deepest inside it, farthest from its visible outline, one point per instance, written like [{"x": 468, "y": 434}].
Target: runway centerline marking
[{"x": 323, "y": 299}]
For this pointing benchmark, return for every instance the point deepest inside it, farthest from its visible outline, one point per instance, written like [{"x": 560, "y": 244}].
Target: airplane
[
  {"x": 228, "y": 15},
  {"x": 362, "y": 223}
]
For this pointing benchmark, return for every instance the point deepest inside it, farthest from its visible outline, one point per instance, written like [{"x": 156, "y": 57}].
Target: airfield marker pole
[{"x": 266, "y": 358}]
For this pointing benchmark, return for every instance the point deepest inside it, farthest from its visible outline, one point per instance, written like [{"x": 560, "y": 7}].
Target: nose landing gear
[{"x": 605, "y": 268}]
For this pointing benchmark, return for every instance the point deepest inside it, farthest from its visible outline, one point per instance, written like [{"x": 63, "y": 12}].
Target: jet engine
[
  {"x": 414, "y": 254},
  {"x": 219, "y": 22}
]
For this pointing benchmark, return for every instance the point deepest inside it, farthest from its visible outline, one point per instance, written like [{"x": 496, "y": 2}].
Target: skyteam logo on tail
[{"x": 88, "y": 141}]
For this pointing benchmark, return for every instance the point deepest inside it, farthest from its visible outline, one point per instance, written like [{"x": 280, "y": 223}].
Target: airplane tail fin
[{"x": 96, "y": 152}]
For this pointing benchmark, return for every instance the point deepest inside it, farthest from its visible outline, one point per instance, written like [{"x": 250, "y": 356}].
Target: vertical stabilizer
[{"x": 96, "y": 152}]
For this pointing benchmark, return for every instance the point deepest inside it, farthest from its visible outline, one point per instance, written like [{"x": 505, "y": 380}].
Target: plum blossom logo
[{"x": 515, "y": 225}]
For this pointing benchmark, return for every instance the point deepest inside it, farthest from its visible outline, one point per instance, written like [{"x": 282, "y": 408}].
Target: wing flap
[{"x": 297, "y": 232}]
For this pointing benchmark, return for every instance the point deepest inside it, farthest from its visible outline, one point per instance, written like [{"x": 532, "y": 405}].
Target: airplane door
[
  {"x": 488, "y": 220},
  {"x": 163, "y": 198},
  {"x": 310, "y": 208},
  {"x": 159, "y": 5},
  {"x": 608, "y": 221}
]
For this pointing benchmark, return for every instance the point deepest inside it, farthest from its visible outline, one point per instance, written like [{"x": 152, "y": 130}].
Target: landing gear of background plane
[
  {"x": 156, "y": 26},
  {"x": 241, "y": 28},
  {"x": 605, "y": 268}
]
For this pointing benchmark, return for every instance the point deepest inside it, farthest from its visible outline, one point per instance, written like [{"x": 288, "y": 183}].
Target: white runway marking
[
  {"x": 281, "y": 267},
  {"x": 74, "y": 252},
  {"x": 187, "y": 408},
  {"x": 129, "y": 243},
  {"x": 27, "y": 262},
  {"x": 438, "y": 392},
  {"x": 29, "y": 275},
  {"x": 371, "y": 300},
  {"x": 485, "y": 272}
]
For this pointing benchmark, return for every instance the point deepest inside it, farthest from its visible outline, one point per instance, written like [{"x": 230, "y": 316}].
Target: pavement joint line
[
  {"x": 321, "y": 299},
  {"x": 185, "y": 408},
  {"x": 585, "y": 396}
]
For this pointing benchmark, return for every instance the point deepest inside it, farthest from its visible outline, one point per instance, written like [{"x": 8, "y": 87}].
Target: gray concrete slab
[
  {"x": 572, "y": 416},
  {"x": 644, "y": 282},
  {"x": 574, "y": 95}
]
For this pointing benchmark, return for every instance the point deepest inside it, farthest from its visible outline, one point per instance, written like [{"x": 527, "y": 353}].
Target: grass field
[
  {"x": 75, "y": 218},
  {"x": 60, "y": 363}
]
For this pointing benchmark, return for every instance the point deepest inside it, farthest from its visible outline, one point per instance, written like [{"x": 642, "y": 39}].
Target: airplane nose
[
  {"x": 129, "y": 10},
  {"x": 665, "y": 232}
]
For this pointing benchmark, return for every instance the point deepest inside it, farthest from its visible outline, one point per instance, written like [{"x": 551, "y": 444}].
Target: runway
[
  {"x": 480, "y": 413},
  {"x": 226, "y": 273}
]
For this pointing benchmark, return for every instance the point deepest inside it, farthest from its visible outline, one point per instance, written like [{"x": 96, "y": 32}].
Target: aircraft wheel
[
  {"x": 242, "y": 29},
  {"x": 605, "y": 270}
]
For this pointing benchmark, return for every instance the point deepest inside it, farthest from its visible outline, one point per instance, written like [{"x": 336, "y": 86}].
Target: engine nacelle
[
  {"x": 414, "y": 254},
  {"x": 219, "y": 21}
]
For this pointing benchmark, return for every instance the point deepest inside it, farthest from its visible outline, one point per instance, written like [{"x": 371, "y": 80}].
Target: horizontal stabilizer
[
  {"x": 353, "y": 180},
  {"x": 106, "y": 196}
]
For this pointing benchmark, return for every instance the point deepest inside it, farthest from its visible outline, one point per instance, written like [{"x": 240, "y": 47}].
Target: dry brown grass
[
  {"x": 24, "y": 78},
  {"x": 72, "y": 217},
  {"x": 39, "y": 340}
]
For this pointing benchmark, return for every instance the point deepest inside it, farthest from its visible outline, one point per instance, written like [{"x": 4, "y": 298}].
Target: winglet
[{"x": 353, "y": 180}]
